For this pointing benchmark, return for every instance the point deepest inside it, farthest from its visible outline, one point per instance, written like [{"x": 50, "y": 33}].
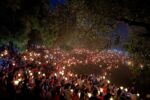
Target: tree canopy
[{"x": 73, "y": 22}]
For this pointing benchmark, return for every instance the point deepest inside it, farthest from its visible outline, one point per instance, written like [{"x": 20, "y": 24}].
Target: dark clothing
[
  {"x": 107, "y": 96},
  {"x": 93, "y": 98}
]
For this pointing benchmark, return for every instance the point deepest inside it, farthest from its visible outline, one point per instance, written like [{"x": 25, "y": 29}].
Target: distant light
[
  {"x": 2, "y": 55},
  {"x": 138, "y": 94},
  {"x": 43, "y": 74},
  {"x": 19, "y": 75},
  {"x": 16, "y": 82},
  {"x": 71, "y": 90},
  {"x": 66, "y": 78},
  {"x": 126, "y": 89},
  {"x": 101, "y": 90},
  {"x": 79, "y": 94},
  {"x": 108, "y": 81},
  {"x": 55, "y": 74},
  {"x": 13, "y": 64},
  {"x": 31, "y": 74},
  {"x": 20, "y": 79},
  {"x": 121, "y": 87},
  {"x": 89, "y": 95},
  {"x": 129, "y": 63},
  {"x": 39, "y": 73},
  {"x": 104, "y": 77},
  {"x": 141, "y": 66}
]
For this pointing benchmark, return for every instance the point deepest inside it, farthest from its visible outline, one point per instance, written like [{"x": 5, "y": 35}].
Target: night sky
[{"x": 54, "y": 3}]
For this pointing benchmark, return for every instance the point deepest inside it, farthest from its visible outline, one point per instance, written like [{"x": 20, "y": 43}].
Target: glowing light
[
  {"x": 55, "y": 74},
  {"x": 20, "y": 79},
  {"x": 2, "y": 55},
  {"x": 138, "y": 94},
  {"x": 43, "y": 74},
  {"x": 141, "y": 66},
  {"x": 129, "y": 63},
  {"x": 46, "y": 56},
  {"x": 71, "y": 90},
  {"x": 126, "y": 90},
  {"x": 121, "y": 87},
  {"x": 19, "y": 75},
  {"x": 66, "y": 78},
  {"x": 13, "y": 64},
  {"x": 108, "y": 81},
  {"x": 104, "y": 77},
  {"x": 39, "y": 63},
  {"x": 76, "y": 75},
  {"x": 5, "y": 52},
  {"x": 71, "y": 75},
  {"x": 39, "y": 73},
  {"x": 31, "y": 74},
  {"x": 16, "y": 82},
  {"x": 64, "y": 67},
  {"x": 79, "y": 94},
  {"x": 89, "y": 95},
  {"x": 101, "y": 90},
  {"x": 111, "y": 98}
]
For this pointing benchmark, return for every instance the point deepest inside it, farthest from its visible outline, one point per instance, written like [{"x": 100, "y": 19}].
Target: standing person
[
  {"x": 67, "y": 92},
  {"x": 118, "y": 96},
  {"x": 75, "y": 95},
  {"x": 94, "y": 96},
  {"x": 108, "y": 95}
]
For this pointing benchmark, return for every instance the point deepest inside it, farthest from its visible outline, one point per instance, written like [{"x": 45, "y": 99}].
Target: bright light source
[
  {"x": 71, "y": 90},
  {"x": 43, "y": 74},
  {"x": 19, "y": 79},
  {"x": 89, "y": 95},
  {"x": 19, "y": 75},
  {"x": 126, "y": 89},
  {"x": 138, "y": 94},
  {"x": 39, "y": 73},
  {"x": 79, "y": 94},
  {"x": 108, "y": 81},
  {"x": 104, "y": 77},
  {"x": 121, "y": 87},
  {"x": 101, "y": 90},
  {"x": 31, "y": 74},
  {"x": 111, "y": 98},
  {"x": 55, "y": 74},
  {"x": 16, "y": 82},
  {"x": 13, "y": 64}
]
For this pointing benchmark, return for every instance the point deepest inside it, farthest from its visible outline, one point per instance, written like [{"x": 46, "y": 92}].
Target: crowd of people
[
  {"x": 32, "y": 83},
  {"x": 27, "y": 77}
]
